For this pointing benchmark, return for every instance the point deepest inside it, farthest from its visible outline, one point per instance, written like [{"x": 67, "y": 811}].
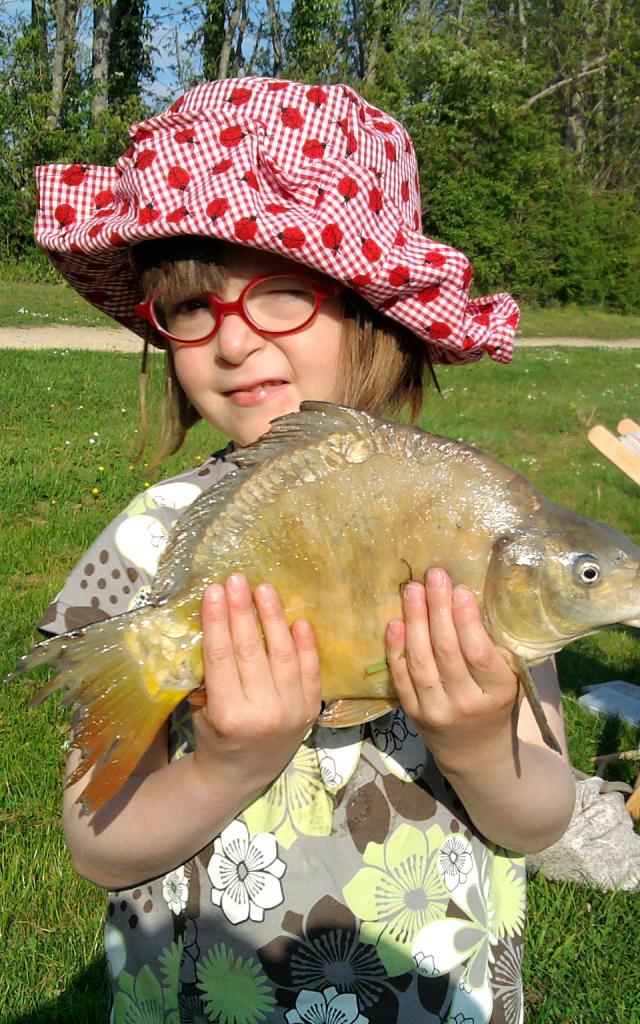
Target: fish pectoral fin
[
  {"x": 340, "y": 714},
  {"x": 523, "y": 674}
]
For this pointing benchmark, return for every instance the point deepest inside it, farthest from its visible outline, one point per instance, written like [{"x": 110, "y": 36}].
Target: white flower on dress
[
  {"x": 245, "y": 872},
  {"x": 455, "y": 861},
  {"x": 326, "y": 1007},
  {"x": 328, "y": 771},
  {"x": 175, "y": 890},
  {"x": 425, "y": 963}
]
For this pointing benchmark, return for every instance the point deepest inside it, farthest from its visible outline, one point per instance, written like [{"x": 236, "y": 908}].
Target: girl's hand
[
  {"x": 263, "y": 695},
  {"x": 449, "y": 675}
]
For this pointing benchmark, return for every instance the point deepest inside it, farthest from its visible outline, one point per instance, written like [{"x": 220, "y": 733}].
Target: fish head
[{"x": 547, "y": 586}]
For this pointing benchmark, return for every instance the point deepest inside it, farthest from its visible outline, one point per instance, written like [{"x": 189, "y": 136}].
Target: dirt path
[{"x": 104, "y": 339}]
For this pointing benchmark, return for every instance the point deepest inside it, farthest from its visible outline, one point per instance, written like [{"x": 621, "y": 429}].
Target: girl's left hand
[{"x": 451, "y": 679}]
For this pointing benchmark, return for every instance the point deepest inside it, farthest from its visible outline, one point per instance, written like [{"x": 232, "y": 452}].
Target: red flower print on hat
[
  {"x": 231, "y": 136},
  {"x": 239, "y": 95},
  {"x": 74, "y": 175},
  {"x": 429, "y": 294},
  {"x": 103, "y": 198},
  {"x": 291, "y": 117},
  {"x": 245, "y": 229},
  {"x": 293, "y": 238},
  {"x": 217, "y": 207},
  {"x": 400, "y": 276},
  {"x": 186, "y": 135},
  {"x": 178, "y": 177},
  {"x": 348, "y": 187},
  {"x": 317, "y": 95},
  {"x": 314, "y": 149},
  {"x": 371, "y": 249},
  {"x": 65, "y": 215},
  {"x": 332, "y": 236},
  {"x": 221, "y": 167},
  {"x": 144, "y": 159}
]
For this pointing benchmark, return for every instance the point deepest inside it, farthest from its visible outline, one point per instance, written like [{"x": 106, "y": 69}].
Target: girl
[{"x": 262, "y": 868}]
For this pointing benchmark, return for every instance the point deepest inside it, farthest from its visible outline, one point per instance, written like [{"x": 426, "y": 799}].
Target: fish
[{"x": 338, "y": 509}]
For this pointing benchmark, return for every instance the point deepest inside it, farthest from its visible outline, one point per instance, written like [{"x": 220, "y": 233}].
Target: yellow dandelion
[{"x": 95, "y": 490}]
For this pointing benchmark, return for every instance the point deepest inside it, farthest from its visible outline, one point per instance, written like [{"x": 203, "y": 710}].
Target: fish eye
[{"x": 587, "y": 569}]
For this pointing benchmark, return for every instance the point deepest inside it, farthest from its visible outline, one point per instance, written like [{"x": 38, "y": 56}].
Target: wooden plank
[{"x": 612, "y": 449}]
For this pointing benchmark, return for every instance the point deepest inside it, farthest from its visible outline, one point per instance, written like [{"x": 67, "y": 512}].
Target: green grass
[
  {"x": 533, "y": 414},
  {"x": 25, "y": 304},
  {"x": 573, "y": 321}
]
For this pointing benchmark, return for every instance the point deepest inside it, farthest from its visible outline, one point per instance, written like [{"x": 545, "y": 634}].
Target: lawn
[
  {"x": 66, "y": 452},
  {"x": 29, "y": 304}
]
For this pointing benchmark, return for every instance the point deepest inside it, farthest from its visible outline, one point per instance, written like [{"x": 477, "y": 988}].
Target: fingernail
[
  {"x": 236, "y": 582},
  {"x": 215, "y": 592},
  {"x": 266, "y": 589},
  {"x": 436, "y": 577},
  {"x": 412, "y": 592},
  {"x": 394, "y": 628},
  {"x": 461, "y": 595}
]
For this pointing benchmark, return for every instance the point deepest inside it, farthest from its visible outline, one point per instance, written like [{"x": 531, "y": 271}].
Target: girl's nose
[{"x": 236, "y": 340}]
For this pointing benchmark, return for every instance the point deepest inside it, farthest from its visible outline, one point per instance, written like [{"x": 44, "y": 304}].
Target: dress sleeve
[{"x": 116, "y": 572}]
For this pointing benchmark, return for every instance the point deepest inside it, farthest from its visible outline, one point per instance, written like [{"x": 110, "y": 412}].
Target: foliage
[{"x": 524, "y": 116}]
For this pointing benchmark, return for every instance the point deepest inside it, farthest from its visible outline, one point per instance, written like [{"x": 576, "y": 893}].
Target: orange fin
[
  {"x": 342, "y": 713},
  {"x": 121, "y": 702}
]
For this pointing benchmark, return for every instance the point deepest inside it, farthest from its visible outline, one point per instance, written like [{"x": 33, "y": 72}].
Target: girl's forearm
[
  {"x": 155, "y": 822},
  {"x": 518, "y": 796}
]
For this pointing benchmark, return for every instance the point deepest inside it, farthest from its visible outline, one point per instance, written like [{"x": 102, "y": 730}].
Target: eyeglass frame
[{"x": 236, "y": 307}]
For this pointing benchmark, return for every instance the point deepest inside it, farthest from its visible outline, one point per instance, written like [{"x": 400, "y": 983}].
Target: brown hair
[{"x": 382, "y": 363}]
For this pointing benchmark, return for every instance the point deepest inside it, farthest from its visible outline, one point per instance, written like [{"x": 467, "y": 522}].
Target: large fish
[{"x": 338, "y": 510}]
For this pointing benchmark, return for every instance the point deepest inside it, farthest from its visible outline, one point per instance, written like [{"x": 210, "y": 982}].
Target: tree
[
  {"x": 129, "y": 59},
  {"x": 100, "y": 58}
]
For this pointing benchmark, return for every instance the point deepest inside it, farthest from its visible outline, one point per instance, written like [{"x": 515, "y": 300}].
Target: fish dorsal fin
[
  {"x": 299, "y": 448},
  {"x": 314, "y": 423}
]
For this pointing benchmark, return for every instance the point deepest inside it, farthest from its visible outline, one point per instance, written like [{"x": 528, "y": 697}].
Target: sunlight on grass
[{"x": 69, "y": 434}]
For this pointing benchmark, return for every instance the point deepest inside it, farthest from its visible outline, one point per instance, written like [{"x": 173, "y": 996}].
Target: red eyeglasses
[{"x": 274, "y": 304}]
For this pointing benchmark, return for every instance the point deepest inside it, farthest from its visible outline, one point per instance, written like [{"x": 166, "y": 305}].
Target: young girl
[{"x": 267, "y": 235}]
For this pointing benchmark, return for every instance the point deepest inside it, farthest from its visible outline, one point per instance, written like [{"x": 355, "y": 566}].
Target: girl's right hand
[{"x": 263, "y": 695}]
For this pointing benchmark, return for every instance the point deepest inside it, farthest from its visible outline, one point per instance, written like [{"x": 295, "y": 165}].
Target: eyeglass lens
[{"x": 277, "y": 304}]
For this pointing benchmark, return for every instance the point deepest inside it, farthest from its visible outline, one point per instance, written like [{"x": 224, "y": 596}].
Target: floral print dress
[{"x": 354, "y": 890}]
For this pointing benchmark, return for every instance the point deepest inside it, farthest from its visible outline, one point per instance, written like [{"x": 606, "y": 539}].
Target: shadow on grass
[{"x": 85, "y": 1001}]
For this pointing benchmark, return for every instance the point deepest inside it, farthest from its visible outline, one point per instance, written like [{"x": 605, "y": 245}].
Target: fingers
[
  {"x": 485, "y": 663},
  {"x": 256, "y": 653}
]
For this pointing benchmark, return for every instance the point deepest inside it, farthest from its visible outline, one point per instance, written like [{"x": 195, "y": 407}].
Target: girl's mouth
[{"x": 255, "y": 394}]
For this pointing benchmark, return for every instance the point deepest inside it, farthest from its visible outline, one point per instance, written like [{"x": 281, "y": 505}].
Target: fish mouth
[{"x": 255, "y": 393}]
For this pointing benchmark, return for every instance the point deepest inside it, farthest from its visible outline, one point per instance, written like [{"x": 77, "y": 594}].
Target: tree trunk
[
  {"x": 57, "y": 67},
  {"x": 39, "y": 29},
  {"x": 225, "y": 52},
  {"x": 100, "y": 58},
  {"x": 276, "y": 36},
  {"x": 522, "y": 21},
  {"x": 213, "y": 37}
]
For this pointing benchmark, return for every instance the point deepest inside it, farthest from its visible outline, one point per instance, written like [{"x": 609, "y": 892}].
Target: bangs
[{"x": 177, "y": 268}]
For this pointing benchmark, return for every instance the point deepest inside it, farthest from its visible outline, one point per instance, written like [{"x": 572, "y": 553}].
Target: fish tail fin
[{"x": 121, "y": 706}]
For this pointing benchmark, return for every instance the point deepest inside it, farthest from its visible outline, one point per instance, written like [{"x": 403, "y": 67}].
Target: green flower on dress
[
  {"x": 296, "y": 802},
  {"x": 234, "y": 991},
  {"x": 399, "y": 893},
  {"x": 506, "y": 894},
  {"x": 141, "y": 1000}
]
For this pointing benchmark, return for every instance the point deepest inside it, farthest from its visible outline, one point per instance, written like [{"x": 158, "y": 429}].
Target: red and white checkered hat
[{"x": 312, "y": 172}]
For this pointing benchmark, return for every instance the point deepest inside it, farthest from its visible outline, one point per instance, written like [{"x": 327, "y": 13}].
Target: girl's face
[{"x": 241, "y": 380}]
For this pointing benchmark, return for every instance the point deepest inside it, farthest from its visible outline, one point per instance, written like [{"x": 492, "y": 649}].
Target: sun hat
[{"x": 314, "y": 173}]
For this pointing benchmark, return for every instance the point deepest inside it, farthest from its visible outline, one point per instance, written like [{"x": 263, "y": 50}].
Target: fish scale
[{"x": 338, "y": 509}]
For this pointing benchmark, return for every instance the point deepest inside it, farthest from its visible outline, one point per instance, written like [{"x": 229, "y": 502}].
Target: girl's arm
[
  {"x": 262, "y": 697},
  {"x": 458, "y": 689}
]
